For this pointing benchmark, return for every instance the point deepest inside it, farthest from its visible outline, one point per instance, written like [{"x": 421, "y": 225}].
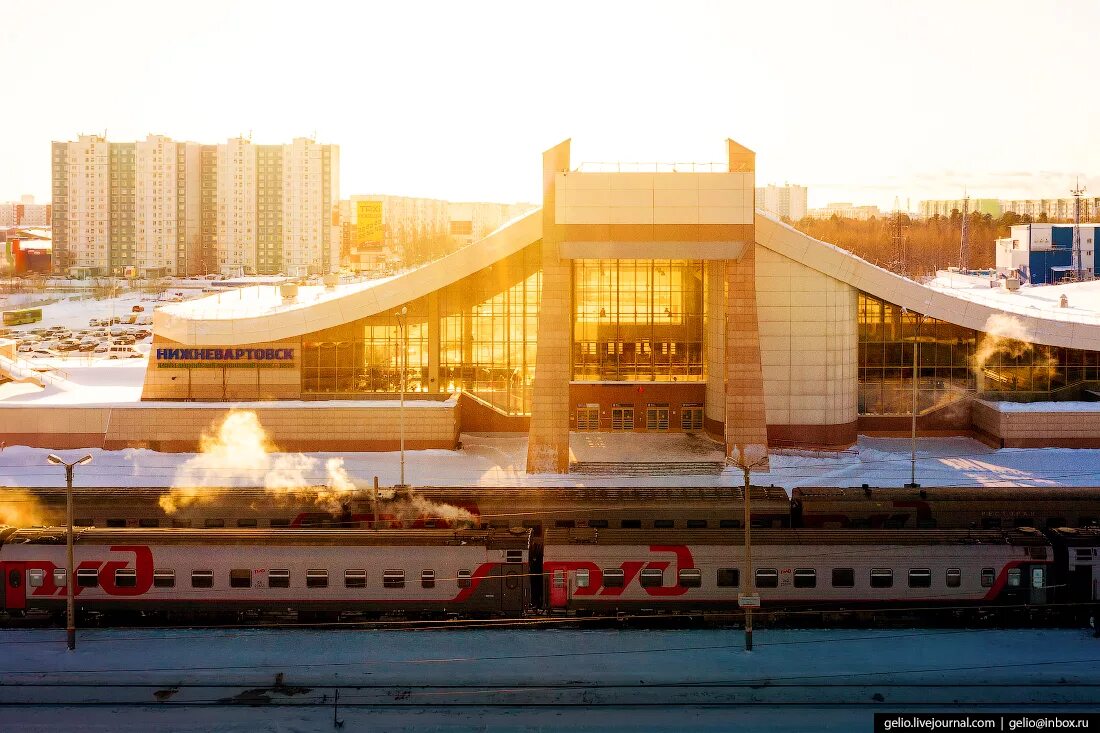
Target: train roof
[
  {"x": 949, "y": 493},
  {"x": 516, "y": 538},
  {"x": 1023, "y": 536},
  {"x": 623, "y": 494},
  {"x": 1087, "y": 536}
]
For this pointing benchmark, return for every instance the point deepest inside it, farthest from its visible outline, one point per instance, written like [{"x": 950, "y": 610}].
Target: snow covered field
[
  {"x": 544, "y": 679},
  {"x": 501, "y": 461}
]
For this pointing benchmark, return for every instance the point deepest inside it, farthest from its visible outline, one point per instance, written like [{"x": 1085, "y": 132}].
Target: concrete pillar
[
  {"x": 746, "y": 418},
  {"x": 548, "y": 447}
]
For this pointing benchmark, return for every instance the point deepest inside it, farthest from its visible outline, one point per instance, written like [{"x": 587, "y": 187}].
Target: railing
[{"x": 656, "y": 167}]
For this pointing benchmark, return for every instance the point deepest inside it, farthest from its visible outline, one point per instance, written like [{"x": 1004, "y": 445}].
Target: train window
[
  {"x": 920, "y": 578},
  {"x": 213, "y": 523},
  {"x": 60, "y": 577},
  {"x": 1053, "y": 522},
  {"x": 652, "y": 578},
  {"x": 1023, "y": 522},
  {"x": 202, "y": 578},
  {"x": 116, "y": 522},
  {"x": 582, "y": 578},
  {"x": 1087, "y": 522},
  {"x": 892, "y": 523},
  {"x": 859, "y": 523},
  {"x": 278, "y": 578},
  {"x": 690, "y": 578},
  {"x": 355, "y": 578},
  {"x": 465, "y": 580},
  {"x": 181, "y": 523},
  {"x": 760, "y": 524},
  {"x": 249, "y": 523},
  {"x": 241, "y": 578},
  {"x": 125, "y": 578},
  {"x": 926, "y": 523},
  {"x": 164, "y": 578},
  {"x": 767, "y": 578},
  {"x": 631, "y": 524},
  {"x": 987, "y": 577},
  {"x": 844, "y": 578},
  {"x": 279, "y": 522},
  {"x": 84, "y": 522},
  {"x": 87, "y": 577},
  {"x": 393, "y": 578},
  {"x": 597, "y": 523},
  {"x": 427, "y": 579},
  {"x": 613, "y": 578},
  {"x": 805, "y": 578},
  {"x": 729, "y": 577},
  {"x": 565, "y": 523},
  {"x": 35, "y": 578},
  {"x": 149, "y": 523},
  {"x": 882, "y": 578},
  {"x": 991, "y": 522},
  {"x": 663, "y": 524},
  {"x": 729, "y": 524},
  {"x": 696, "y": 524},
  {"x": 954, "y": 577},
  {"x": 513, "y": 556},
  {"x": 317, "y": 579},
  {"x": 1014, "y": 576}
]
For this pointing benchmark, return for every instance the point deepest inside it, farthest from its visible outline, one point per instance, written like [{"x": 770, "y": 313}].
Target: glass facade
[
  {"x": 638, "y": 320},
  {"x": 365, "y": 356},
  {"x": 488, "y": 332},
  {"x": 955, "y": 361},
  {"x": 483, "y": 328}
]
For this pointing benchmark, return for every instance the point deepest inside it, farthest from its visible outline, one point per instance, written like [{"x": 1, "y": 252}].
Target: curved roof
[{"x": 258, "y": 314}]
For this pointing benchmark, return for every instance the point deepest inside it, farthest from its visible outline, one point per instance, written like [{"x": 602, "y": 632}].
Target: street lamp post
[
  {"x": 70, "y": 603},
  {"x": 748, "y": 600},
  {"x": 913, "y": 418},
  {"x": 403, "y": 337}
]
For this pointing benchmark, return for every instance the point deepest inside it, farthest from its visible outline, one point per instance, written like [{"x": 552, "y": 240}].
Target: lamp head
[
  {"x": 55, "y": 460},
  {"x": 404, "y": 310},
  {"x": 85, "y": 459}
]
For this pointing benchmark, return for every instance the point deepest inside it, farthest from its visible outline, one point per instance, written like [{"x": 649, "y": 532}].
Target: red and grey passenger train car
[
  {"x": 610, "y": 572},
  {"x": 196, "y": 573}
]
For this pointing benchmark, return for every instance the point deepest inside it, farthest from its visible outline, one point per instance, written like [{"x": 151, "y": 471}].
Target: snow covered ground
[
  {"x": 501, "y": 461},
  {"x": 538, "y": 679}
]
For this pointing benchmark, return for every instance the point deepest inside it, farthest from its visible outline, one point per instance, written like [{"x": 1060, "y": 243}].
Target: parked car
[
  {"x": 138, "y": 309},
  {"x": 122, "y": 352},
  {"x": 88, "y": 346}
]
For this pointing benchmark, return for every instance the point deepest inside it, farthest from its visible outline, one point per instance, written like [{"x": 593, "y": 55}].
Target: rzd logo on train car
[
  {"x": 631, "y": 570},
  {"x": 105, "y": 570}
]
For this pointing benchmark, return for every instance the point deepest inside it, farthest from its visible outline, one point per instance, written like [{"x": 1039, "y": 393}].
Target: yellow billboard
[{"x": 368, "y": 221}]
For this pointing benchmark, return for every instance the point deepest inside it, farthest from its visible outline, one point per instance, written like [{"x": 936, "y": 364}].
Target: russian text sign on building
[{"x": 221, "y": 358}]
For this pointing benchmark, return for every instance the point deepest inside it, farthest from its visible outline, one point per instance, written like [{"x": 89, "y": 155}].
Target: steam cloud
[
  {"x": 240, "y": 453},
  {"x": 1006, "y": 334},
  {"x": 18, "y": 508}
]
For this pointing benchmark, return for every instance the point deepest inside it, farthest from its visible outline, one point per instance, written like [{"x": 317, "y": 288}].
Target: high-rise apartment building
[
  {"x": 788, "y": 200},
  {"x": 161, "y": 207},
  {"x": 24, "y": 213},
  {"x": 125, "y": 208}
]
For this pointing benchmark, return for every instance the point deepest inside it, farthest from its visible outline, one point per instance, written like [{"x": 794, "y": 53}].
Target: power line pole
[
  {"x": 964, "y": 248},
  {"x": 1078, "y": 264}
]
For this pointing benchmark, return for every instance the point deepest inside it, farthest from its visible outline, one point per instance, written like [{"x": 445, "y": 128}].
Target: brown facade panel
[
  {"x": 640, "y": 398},
  {"x": 820, "y": 436}
]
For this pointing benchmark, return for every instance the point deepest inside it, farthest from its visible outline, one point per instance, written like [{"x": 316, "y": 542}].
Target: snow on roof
[{"x": 1040, "y": 301}]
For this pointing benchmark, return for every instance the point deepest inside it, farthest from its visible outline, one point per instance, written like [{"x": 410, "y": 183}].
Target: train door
[
  {"x": 559, "y": 590},
  {"x": 511, "y": 588},
  {"x": 1038, "y": 584},
  {"x": 15, "y": 581}
]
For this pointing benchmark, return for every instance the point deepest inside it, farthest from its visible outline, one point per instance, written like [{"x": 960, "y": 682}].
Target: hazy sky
[{"x": 861, "y": 101}]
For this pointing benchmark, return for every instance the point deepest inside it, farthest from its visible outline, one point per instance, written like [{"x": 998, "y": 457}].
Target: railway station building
[{"x": 645, "y": 299}]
